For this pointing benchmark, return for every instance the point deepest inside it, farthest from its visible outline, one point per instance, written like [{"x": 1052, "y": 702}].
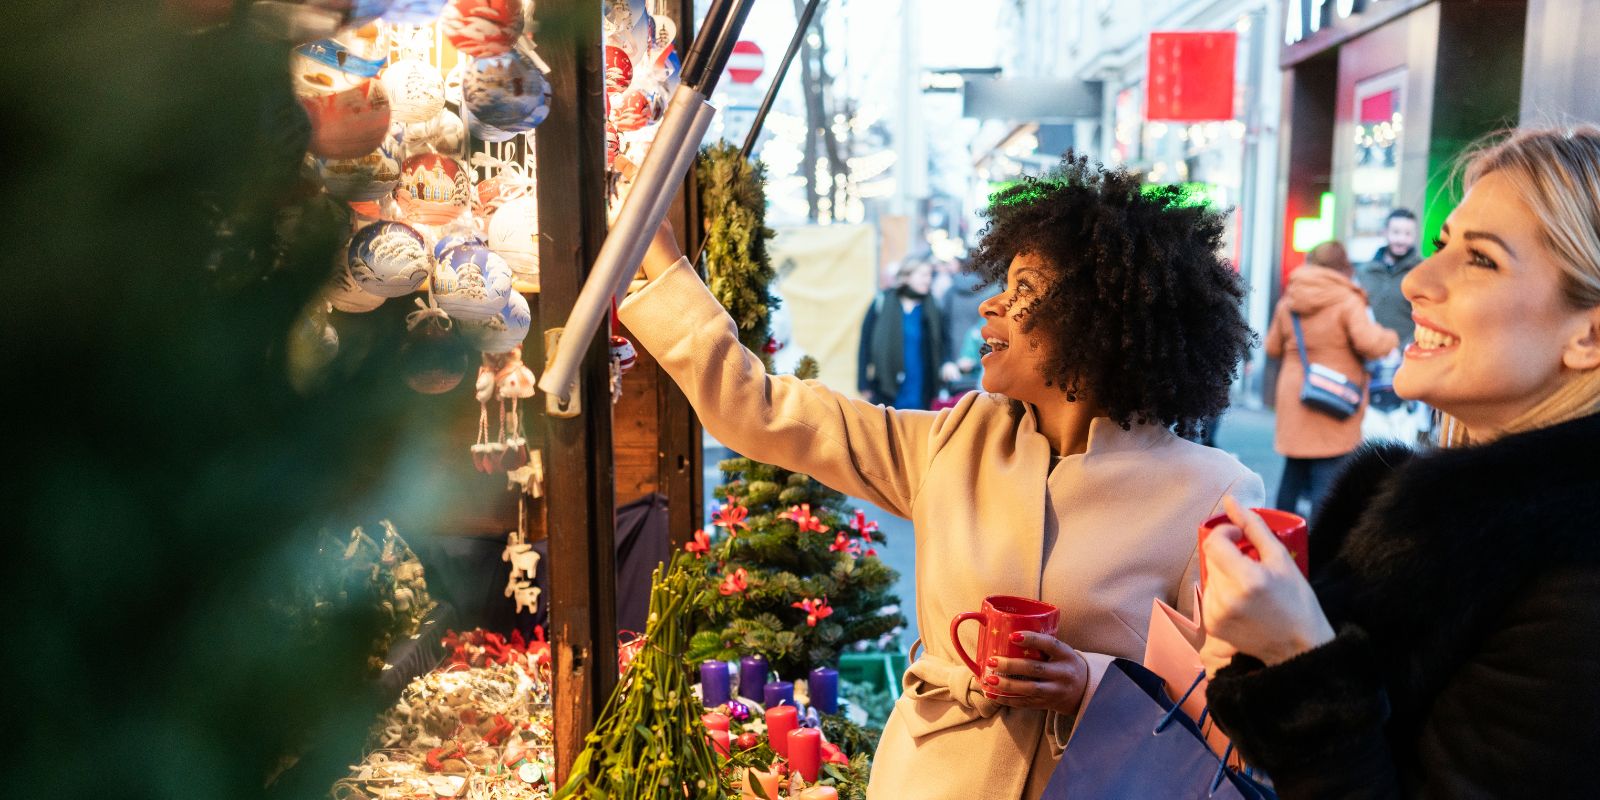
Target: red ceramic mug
[
  {"x": 1003, "y": 615},
  {"x": 1289, "y": 528}
]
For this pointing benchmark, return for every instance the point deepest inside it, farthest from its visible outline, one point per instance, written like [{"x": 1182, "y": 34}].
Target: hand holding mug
[
  {"x": 1264, "y": 608},
  {"x": 1056, "y": 683}
]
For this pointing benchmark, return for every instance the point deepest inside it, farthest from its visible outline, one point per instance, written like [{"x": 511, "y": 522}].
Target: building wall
[{"x": 1558, "y": 72}]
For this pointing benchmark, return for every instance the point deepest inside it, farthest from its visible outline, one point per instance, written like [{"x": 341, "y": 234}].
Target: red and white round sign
[{"x": 746, "y": 63}]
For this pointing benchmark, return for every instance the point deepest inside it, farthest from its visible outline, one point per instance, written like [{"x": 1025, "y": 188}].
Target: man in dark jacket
[{"x": 1381, "y": 276}]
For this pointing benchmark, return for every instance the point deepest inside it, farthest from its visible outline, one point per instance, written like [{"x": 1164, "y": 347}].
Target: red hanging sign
[{"x": 1190, "y": 76}]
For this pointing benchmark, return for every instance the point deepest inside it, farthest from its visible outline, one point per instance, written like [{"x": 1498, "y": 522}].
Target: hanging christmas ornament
[
  {"x": 619, "y": 70},
  {"x": 348, "y": 124},
  {"x": 483, "y": 132},
  {"x": 613, "y": 144},
  {"x": 367, "y": 178},
  {"x": 445, "y": 134},
  {"x": 507, "y": 92},
  {"x": 623, "y": 354},
  {"x": 630, "y": 111},
  {"x": 514, "y": 234},
  {"x": 413, "y": 12},
  {"x": 471, "y": 282},
  {"x": 514, "y": 382},
  {"x": 433, "y": 189},
  {"x": 333, "y": 65},
  {"x": 302, "y": 20},
  {"x": 389, "y": 259},
  {"x": 416, "y": 90},
  {"x": 434, "y": 360},
  {"x": 482, "y": 28},
  {"x": 344, "y": 294},
  {"x": 503, "y": 331},
  {"x": 451, "y": 238}
]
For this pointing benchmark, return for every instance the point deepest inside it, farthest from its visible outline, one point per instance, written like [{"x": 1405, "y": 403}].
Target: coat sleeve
[
  {"x": 855, "y": 447},
  {"x": 1367, "y": 337}
]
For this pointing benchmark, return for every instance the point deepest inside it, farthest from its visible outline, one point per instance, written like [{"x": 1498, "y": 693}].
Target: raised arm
[{"x": 852, "y": 446}]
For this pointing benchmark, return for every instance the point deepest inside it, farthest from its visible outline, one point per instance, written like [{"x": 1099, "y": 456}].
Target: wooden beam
[
  {"x": 680, "y": 434},
  {"x": 579, "y": 477}
]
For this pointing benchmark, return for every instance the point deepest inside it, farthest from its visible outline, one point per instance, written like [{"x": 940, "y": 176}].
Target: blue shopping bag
[{"x": 1133, "y": 742}]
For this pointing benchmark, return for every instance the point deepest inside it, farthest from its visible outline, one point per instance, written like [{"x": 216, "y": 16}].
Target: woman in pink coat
[{"x": 1340, "y": 334}]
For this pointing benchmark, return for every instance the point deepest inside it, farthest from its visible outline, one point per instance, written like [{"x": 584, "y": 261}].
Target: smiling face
[
  {"x": 1495, "y": 334},
  {"x": 1015, "y": 363}
]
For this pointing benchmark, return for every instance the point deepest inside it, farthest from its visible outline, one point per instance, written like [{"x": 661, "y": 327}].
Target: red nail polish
[
  {"x": 992, "y": 662},
  {"x": 992, "y": 680},
  {"x": 1016, "y": 638}
]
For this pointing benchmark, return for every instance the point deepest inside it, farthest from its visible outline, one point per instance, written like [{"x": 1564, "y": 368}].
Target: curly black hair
[{"x": 1144, "y": 310}]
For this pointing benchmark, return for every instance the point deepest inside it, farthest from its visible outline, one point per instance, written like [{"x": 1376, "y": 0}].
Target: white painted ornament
[
  {"x": 472, "y": 282},
  {"x": 506, "y": 92},
  {"x": 416, "y": 90},
  {"x": 514, "y": 234},
  {"x": 389, "y": 259},
  {"x": 349, "y": 123},
  {"x": 502, "y": 332},
  {"x": 482, "y": 28},
  {"x": 444, "y": 134},
  {"x": 433, "y": 189},
  {"x": 368, "y": 178}
]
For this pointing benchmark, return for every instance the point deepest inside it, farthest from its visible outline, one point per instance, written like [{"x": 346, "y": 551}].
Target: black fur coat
[{"x": 1465, "y": 589}]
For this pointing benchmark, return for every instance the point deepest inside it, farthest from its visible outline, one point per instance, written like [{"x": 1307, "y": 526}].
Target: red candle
[
  {"x": 805, "y": 752},
  {"x": 719, "y": 740},
  {"x": 715, "y": 721},
  {"x": 781, "y": 720}
]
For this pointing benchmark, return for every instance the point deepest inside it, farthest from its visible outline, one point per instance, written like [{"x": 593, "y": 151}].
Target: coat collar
[{"x": 1105, "y": 435}]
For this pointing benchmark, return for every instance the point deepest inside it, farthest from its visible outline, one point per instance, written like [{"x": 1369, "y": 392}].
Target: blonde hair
[{"x": 1557, "y": 173}]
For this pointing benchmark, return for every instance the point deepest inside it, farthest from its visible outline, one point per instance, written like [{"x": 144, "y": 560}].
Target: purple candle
[
  {"x": 823, "y": 683},
  {"x": 779, "y": 693},
  {"x": 752, "y": 677},
  {"x": 714, "y": 683}
]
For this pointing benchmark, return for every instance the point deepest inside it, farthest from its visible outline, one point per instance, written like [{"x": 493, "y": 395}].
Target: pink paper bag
[{"x": 1172, "y": 650}]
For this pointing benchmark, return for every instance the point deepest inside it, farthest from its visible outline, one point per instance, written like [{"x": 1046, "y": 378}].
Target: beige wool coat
[{"x": 978, "y": 483}]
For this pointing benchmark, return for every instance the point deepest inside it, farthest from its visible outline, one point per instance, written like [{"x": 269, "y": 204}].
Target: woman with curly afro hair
[{"x": 1118, "y": 327}]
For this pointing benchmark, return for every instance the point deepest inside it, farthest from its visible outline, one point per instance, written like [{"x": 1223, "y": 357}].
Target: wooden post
[
  {"x": 682, "y": 457},
  {"x": 579, "y": 478}
]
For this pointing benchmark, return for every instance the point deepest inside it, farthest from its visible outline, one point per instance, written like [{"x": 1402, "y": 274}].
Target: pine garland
[{"x": 733, "y": 195}]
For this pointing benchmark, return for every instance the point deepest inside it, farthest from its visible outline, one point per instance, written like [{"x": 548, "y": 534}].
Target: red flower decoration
[
  {"x": 735, "y": 583},
  {"x": 701, "y": 544},
  {"x": 862, "y": 526},
  {"x": 772, "y": 346},
  {"x": 731, "y": 516},
  {"x": 803, "y": 517},
  {"x": 841, "y": 543},
  {"x": 815, "y": 609}
]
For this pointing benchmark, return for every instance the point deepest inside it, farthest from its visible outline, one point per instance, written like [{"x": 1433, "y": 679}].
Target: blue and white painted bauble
[
  {"x": 505, "y": 330},
  {"x": 452, "y": 238},
  {"x": 472, "y": 282},
  {"x": 514, "y": 234},
  {"x": 416, "y": 90},
  {"x": 336, "y": 64},
  {"x": 507, "y": 92},
  {"x": 484, "y": 132},
  {"x": 370, "y": 177},
  {"x": 345, "y": 294},
  {"x": 389, "y": 259}
]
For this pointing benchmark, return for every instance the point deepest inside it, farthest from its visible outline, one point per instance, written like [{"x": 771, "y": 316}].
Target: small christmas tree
[{"x": 797, "y": 574}]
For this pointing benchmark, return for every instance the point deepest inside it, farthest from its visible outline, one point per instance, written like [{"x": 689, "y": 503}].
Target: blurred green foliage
[{"x": 173, "y": 483}]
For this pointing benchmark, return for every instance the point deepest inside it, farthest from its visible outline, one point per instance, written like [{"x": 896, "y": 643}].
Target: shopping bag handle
[{"x": 1177, "y": 708}]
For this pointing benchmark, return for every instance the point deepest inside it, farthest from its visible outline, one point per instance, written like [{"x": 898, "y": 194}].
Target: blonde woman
[{"x": 1447, "y": 643}]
